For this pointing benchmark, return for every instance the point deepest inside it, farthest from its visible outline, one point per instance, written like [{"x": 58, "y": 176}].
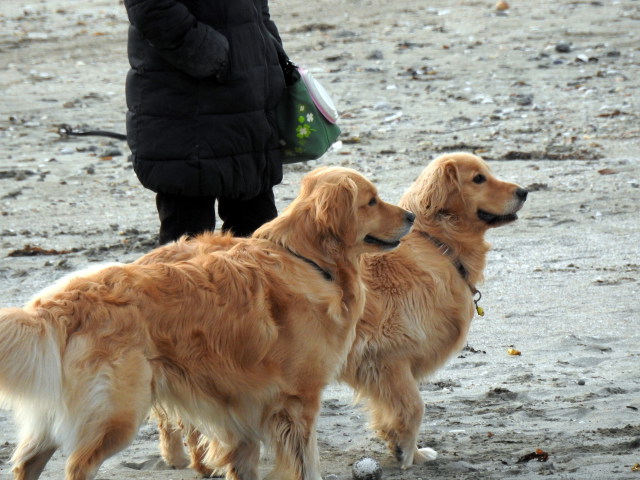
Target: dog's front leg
[{"x": 396, "y": 412}]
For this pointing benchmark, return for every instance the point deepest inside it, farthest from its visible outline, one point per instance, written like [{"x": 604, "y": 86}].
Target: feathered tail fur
[{"x": 30, "y": 363}]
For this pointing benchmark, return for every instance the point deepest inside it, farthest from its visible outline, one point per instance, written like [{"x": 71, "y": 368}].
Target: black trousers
[{"x": 184, "y": 215}]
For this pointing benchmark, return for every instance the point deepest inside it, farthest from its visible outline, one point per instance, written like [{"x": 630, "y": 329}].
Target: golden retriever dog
[
  {"x": 423, "y": 295},
  {"x": 421, "y": 298},
  {"x": 238, "y": 343}
]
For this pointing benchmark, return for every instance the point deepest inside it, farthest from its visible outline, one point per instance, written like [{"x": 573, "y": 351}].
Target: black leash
[{"x": 65, "y": 131}]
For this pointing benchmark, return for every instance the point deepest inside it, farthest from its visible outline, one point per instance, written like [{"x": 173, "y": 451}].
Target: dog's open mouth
[
  {"x": 381, "y": 243},
  {"x": 493, "y": 219}
]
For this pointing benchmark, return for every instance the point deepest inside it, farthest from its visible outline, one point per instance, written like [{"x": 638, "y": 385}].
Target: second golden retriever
[
  {"x": 238, "y": 343},
  {"x": 421, "y": 298}
]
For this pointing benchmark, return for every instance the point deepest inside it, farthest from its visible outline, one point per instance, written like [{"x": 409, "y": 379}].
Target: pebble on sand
[
  {"x": 563, "y": 47},
  {"x": 367, "y": 469}
]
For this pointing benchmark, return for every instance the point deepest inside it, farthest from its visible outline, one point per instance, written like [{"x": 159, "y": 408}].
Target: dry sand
[{"x": 412, "y": 80}]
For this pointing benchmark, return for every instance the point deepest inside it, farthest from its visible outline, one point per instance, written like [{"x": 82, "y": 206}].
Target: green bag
[{"x": 306, "y": 119}]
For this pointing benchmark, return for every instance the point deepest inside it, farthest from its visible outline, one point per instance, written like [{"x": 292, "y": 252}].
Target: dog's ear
[
  {"x": 335, "y": 209},
  {"x": 323, "y": 215},
  {"x": 310, "y": 180},
  {"x": 434, "y": 189}
]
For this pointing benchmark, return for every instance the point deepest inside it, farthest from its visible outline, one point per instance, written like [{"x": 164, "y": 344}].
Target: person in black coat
[{"x": 201, "y": 93}]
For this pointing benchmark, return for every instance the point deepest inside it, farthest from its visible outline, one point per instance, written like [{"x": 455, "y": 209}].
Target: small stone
[
  {"x": 524, "y": 99},
  {"x": 367, "y": 469},
  {"x": 563, "y": 47},
  {"x": 382, "y": 106},
  {"x": 111, "y": 152},
  {"x": 501, "y": 6},
  {"x": 581, "y": 382}
]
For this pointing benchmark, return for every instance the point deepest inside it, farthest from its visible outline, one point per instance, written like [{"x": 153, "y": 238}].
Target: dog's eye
[
  {"x": 479, "y": 178},
  {"x": 372, "y": 202}
]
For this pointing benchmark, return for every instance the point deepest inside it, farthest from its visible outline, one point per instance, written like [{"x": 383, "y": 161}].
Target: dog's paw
[
  {"x": 423, "y": 455},
  {"x": 207, "y": 471},
  {"x": 179, "y": 464},
  {"x": 176, "y": 460}
]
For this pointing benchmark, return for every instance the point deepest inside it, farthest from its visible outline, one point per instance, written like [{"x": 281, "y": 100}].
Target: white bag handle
[{"x": 320, "y": 96}]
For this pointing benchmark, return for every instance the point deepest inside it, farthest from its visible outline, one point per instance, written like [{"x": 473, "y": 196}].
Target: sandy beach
[{"x": 547, "y": 92}]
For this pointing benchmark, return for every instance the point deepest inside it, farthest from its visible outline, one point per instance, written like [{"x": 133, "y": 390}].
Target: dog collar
[
  {"x": 462, "y": 270},
  {"x": 325, "y": 274}
]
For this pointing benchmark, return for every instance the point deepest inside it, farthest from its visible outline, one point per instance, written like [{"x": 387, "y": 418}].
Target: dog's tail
[{"x": 30, "y": 359}]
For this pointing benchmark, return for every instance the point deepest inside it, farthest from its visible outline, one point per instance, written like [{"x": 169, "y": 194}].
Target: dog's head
[
  {"x": 461, "y": 186},
  {"x": 338, "y": 208}
]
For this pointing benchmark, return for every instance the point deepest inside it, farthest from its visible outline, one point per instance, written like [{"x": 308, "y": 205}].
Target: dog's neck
[
  {"x": 466, "y": 249},
  {"x": 325, "y": 253},
  {"x": 325, "y": 273},
  {"x": 321, "y": 250},
  {"x": 343, "y": 269},
  {"x": 446, "y": 250}
]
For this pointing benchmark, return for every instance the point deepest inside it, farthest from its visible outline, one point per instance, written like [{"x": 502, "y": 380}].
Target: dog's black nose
[
  {"x": 521, "y": 193},
  {"x": 411, "y": 217}
]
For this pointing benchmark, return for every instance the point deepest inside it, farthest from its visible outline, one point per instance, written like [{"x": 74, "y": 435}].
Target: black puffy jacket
[{"x": 203, "y": 84}]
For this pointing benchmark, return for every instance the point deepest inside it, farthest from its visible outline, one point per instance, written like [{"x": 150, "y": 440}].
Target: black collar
[
  {"x": 325, "y": 274},
  {"x": 446, "y": 250}
]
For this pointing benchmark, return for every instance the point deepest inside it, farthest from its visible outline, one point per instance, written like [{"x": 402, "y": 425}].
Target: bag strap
[{"x": 289, "y": 69}]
